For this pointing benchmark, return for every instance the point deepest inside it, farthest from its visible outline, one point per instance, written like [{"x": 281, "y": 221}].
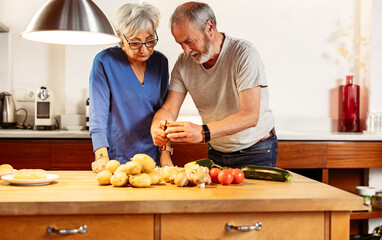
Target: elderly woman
[{"x": 128, "y": 84}]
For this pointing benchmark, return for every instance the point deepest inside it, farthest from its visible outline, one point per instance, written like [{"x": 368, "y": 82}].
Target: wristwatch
[
  {"x": 206, "y": 132},
  {"x": 166, "y": 148}
]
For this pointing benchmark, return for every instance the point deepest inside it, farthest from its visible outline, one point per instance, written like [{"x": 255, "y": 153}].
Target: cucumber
[
  {"x": 266, "y": 173},
  {"x": 205, "y": 162}
]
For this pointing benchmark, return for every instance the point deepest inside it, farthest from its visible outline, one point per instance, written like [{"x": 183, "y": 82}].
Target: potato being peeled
[
  {"x": 119, "y": 179},
  {"x": 112, "y": 165},
  {"x": 104, "y": 177},
  {"x": 148, "y": 164},
  {"x": 140, "y": 180}
]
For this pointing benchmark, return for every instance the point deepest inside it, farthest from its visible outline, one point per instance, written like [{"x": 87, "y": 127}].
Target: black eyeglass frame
[{"x": 145, "y": 43}]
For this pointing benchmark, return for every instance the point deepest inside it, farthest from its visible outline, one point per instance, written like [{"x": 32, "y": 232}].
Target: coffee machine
[
  {"x": 44, "y": 110},
  {"x": 8, "y": 117}
]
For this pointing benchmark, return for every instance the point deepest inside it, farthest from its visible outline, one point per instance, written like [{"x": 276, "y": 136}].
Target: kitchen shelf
[{"x": 361, "y": 215}]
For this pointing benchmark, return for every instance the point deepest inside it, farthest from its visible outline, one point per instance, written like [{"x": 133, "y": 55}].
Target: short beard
[{"x": 206, "y": 56}]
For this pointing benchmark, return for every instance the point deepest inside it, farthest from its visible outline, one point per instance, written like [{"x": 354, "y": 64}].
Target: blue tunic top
[{"x": 121, "y": 109}]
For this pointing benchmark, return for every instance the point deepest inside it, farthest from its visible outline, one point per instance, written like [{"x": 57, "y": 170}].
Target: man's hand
[
  {"x": 100, "y": 164},
  {"x": 184, "y": 132},
  {"x": 159, "y": 135}
]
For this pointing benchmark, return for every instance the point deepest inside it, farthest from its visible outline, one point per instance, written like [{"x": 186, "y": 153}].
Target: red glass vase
[{"x": 348, "y": 111}]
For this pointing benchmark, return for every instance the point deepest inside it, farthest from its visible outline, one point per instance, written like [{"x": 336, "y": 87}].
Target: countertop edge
[{"x": 281, "y": 135}]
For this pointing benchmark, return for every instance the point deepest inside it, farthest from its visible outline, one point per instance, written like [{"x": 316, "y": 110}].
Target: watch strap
[
  {"x": 167, "y": 148},
  {"x": 206, "y": 133}
]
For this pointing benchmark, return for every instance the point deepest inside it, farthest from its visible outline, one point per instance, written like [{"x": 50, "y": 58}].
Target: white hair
[
  {"x": 132, "y": 18},
  {"x": 197, "y": 13}
]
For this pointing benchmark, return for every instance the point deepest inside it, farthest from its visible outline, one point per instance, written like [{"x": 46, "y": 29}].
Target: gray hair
[
  {"x": 132, "y": 18},
  {"x": 196, "y": 12}
]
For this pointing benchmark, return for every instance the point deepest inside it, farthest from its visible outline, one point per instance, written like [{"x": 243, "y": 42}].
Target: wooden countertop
[
  {"x": 281, "y": 135},
  {"x": 77, "y": 192}
]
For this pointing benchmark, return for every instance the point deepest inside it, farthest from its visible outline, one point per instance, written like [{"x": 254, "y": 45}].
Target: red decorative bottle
[{"x": 348, "y": 111}]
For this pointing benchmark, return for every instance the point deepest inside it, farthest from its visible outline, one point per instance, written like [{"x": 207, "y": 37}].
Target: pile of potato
[
  {"x": 196, "y": 177},
  {"x": 139, "y": 172}
]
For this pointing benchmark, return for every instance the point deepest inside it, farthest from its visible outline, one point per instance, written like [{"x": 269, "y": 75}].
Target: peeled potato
[
  {"x": 169, "y": 174},
  {"x": 140, "y": 180},
  {"x": 112, "y": 165},
  {"x": 155, "y": 177},
  {"x": 119, "y": 179},
  {"x": 104, "y": 177},
  {"x": 133, "y": 167},
  {"x": 148, "y": 164}
]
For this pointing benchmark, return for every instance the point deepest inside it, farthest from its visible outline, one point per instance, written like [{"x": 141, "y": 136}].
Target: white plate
[
  {"x": 7, "y": 173},
  {"x": 23, "y": 182}
]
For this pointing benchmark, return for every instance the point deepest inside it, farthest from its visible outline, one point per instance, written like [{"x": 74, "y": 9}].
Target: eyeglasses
[{"x": 138, "y": 45}]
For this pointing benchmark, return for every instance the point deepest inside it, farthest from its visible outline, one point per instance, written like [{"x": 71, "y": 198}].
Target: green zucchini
[
  {"x": 205, "y": 162},
  {"x": 266, "y": 173}
]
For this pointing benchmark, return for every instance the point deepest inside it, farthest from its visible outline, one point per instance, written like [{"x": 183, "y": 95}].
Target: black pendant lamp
[{"x": 71, "y": 22}]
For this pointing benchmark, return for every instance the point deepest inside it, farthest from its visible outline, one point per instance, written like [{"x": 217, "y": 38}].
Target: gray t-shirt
[{"x": 215, "y": 91}]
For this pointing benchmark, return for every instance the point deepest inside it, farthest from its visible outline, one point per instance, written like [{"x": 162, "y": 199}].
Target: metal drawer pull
[
  {"x": 258, "y": 226},
  {"x": 82, "y": 229}
]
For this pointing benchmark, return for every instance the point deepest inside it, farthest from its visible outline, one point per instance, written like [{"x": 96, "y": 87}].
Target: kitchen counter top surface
[
  {"x": 77, "y": 192},
  {"x": 281, "y": 135}
]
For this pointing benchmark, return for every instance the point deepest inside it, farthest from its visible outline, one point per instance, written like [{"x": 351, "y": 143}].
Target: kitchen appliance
[
  {"x": 8, "y": 117},
  {"x": 44, "y": 110}
]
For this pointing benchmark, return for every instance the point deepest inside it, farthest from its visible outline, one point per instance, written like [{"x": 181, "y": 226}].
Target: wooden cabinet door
[
  {"x": 71, "y": 154},
  {"x": 113, "y": 227},
  {"x": 286, "y": 226},
  {"x": 25, "y": 153}
]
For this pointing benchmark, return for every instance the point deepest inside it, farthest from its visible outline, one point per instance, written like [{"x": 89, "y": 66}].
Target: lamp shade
[{"x": 71, "y": 22}]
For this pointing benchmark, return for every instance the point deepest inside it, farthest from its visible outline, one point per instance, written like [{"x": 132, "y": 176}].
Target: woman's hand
[
  {"x": 102, "y": 158},
  {"x": 184, "y": 132},
  {"x": 100, "y": 164},
  {"x": 165, "y": 159}
]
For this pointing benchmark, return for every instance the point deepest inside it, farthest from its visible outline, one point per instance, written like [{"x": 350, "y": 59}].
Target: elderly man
[{"x": 226, "y": 80}]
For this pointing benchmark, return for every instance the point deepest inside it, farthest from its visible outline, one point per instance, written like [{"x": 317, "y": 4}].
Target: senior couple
[{"x": 134, "y": 106}]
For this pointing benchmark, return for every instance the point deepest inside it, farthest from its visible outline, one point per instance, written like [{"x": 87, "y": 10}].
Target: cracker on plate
[
  {"x": 30, "y": 174},
  {"x": 6, "y": 168}
]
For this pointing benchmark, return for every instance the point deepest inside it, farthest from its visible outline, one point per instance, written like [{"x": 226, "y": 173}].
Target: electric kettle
[{"x": 8, "y": 117}]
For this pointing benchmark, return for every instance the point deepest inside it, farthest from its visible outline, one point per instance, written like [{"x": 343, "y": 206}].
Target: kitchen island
[
  {"x": 300, "y": 209},
  {"x": 338, "y": 159}
]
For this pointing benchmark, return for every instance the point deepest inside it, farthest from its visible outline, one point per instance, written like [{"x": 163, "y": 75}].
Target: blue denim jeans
[{"x": 261, "y": 154}]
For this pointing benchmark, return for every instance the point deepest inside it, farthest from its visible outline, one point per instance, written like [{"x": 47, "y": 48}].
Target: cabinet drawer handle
[
  {"x": 258, "y": 226},
  {"x": 82, "y": 229}
]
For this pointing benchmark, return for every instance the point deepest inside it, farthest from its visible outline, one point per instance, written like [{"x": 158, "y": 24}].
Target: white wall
[
  {"x": 297, "y": 39},
  {"x": 375, "y": 175}
]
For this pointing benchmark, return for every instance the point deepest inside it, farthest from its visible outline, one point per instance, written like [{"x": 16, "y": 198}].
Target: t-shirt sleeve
[
  {"x": 250, "y": 68},
  {"x": 176, "y": 82}
]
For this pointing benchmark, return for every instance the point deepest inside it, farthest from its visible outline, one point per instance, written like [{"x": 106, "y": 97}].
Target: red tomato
[
  {"x": 214, "y": 172},
  {"x": 225, "y": 177},
  {"x": 238, "y": 176}
]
